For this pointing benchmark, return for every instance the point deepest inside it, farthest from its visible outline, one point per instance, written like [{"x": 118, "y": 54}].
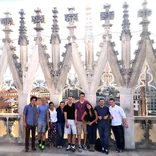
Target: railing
[
  {"x": 145, "y": 131},
  {"x": 8, "y": 121}
]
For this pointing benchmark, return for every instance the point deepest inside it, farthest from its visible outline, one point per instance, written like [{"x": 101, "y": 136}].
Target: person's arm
[
  {"x": 65, "y": 118},
  {"x": 75, "y": 116},
  {"x": 24, "y": 116},
  {"x": 123, "y": 115},
  {"x": 99, "y": 117},
  {"x": 106, "y": 116},
  {"x": 48, "y": 117},
  {"x": 96, "y": 118},
  {"x": 83, "y": 116},
  {"x": 24, "y": 120},
  {"x": 125, "y": 122},
  {"x": 37, "y": 113}
]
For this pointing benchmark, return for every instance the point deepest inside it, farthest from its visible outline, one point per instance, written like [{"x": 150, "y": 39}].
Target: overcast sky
[
  {"x": 97, "y": 6},
  {"x": 13, "y": 6}
]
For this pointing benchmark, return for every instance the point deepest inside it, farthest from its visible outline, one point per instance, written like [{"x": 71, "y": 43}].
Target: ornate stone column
[
  {"x": 107, "y": 16},
  {"x": 126, "y": 102},
  {"x": 23, "y": 42},
  {"x": 71, "y": 18},
  {"x": 91, "y": 97},
  {"x": 55, "y": 43},
  {"x": 125, "y": 38},
  {"x": 56, "y": 98},
  {"x": 88, "y": 39},
  {"x": 23, "y": 100}
]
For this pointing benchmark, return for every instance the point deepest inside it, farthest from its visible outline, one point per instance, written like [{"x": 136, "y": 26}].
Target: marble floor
[{"x": 18, "y": 150}]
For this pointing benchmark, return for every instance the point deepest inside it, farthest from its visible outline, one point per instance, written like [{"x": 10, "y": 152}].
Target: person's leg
[
  {"x": 68, "y": 132},
  {"x": 79, "y": 131},
  {"x": 53, "y": 133},
  {"x": 69, "y": 138},
  {"x": 105, "y": 134},
  {"x": 116, "y": 135},
  {"x": 39, "y": 135},
  {"x": 27, "y": 136},
  {"x": 62, "y": 137},
  {"x": 43, "y": 135},
  {"x": 74, "y": 132},
  {"x": 33, "y": 130},
  {"x": 50, "y": 137},
  {"x": 89, "y": 133},
  {"x": 101, "y": 129},
  {"x": 94, "y": 129},
  {"x": 59, "y": 134},
  {"x": 84, "y": 126},
  {"x": 121, "y": 137}
]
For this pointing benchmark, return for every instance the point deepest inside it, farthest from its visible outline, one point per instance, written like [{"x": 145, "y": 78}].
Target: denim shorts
[{"x": 41, "y": 127}]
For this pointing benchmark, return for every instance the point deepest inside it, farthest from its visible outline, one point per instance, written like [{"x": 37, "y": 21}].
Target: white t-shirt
[
  {"x": 118, "y": 114},
  {"x": 53, "y": 115}
]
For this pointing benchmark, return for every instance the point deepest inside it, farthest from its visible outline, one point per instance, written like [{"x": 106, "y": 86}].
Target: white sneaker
[
  {"x": 68, "y": 148},
  {"x": 73, "y": 148},
  {"x": 84, "y": 147},
  {"x": 79, "y": 148}
]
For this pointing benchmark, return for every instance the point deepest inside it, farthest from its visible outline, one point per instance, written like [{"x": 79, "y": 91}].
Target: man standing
[
  {"x": 70, "y": 126},
  {"x": 103, "y": 114},
  {"x": 80, "y": 108},
  {"x": 118, "y": 117},
  {"x": 42, "y": 122},
  {"x": 30, "y": 115}
]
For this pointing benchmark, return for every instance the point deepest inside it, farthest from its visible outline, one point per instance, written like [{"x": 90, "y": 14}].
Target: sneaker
[
  {"x": 73, "y": 148},
  {"x": 42, "y": 147},
  {"x": 103, "y": 150},
  {"x": 119, "y": 151},
  {"x": 84, "y": 147},
  {"x": 79, "y": 148},
  {"x": 68, "y": 148},
  {"x": 106, "y": 151}
]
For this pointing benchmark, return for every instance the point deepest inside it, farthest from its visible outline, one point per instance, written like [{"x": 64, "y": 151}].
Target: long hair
[{"x": 90, "y": 112}]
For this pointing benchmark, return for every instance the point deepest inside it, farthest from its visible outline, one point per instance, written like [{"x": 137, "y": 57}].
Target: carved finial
[
  {"x": 144, "y": 13},
  {"x": 88, "y": 28},
  {"x": 71, "y": 18},
  {"x": 55, "y": 28},
  {"x": 107, "y": 16},
  {"x": 22, "y": 30},
  {"x": 38, "y": 19},
  {"x": 125, "y": 23},
  {"x": 7, "y": 21}
]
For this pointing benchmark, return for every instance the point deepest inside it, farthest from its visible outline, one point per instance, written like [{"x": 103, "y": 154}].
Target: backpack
[{"x": 98, "y": 146}]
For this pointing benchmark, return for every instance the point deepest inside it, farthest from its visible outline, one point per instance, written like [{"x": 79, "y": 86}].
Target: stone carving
[
  {"x": 55, "y": 27},
  {"x": 7, "y": 22},
  {"x": 144, "y": 13},
  {"x": 22, "y": 30},
  {"x": 71, "y": 18},
  {"x": 125, "y": 23},
  {"x": 38, "y": 19},
  {"x": 107, "y": 16}
]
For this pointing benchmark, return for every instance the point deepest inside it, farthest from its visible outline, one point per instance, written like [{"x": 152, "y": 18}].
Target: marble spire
[{"x": 107, "y": 16}]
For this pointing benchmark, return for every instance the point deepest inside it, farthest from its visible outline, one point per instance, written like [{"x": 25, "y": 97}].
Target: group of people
[{"x": 73, "y": 119}]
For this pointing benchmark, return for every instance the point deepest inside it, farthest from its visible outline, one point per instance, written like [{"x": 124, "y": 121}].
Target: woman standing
[
  {"x": 52, "y": 120},
  {"x": 90, "y": 118},
  {"x": 60, "y": 124}
]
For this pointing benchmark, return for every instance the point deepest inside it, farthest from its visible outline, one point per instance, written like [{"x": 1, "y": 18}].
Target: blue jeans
[
  {"x": 103, "y": 132},
  {"x": 60, "y": 134},
  {"x": 92, "y": 133}
]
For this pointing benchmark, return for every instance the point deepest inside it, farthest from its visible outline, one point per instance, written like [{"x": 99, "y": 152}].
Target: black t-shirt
[{"x": 70, "y": 111}]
